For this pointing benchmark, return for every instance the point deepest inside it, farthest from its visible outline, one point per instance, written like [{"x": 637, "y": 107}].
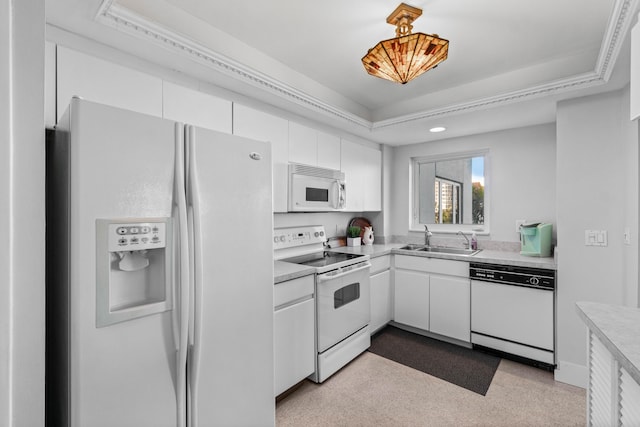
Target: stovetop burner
[{"x": 322, "y": 259}]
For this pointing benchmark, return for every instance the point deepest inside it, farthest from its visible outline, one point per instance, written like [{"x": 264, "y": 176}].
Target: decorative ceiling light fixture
[{"x": 408, "y": 55}]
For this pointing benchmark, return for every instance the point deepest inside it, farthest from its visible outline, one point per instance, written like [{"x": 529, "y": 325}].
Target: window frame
[{"x": 416, "y": 225}]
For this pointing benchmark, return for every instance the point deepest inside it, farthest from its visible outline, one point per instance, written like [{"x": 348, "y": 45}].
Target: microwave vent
[{"x": 299, "y": 169}]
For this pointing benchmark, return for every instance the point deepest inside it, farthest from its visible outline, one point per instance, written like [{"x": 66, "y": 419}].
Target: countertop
[
  {"x": 286, "y": 271},
  {"x": 283, "y": 271},
  {"x": 618, "y": 327},
  {"x": 486, "y": 256}
]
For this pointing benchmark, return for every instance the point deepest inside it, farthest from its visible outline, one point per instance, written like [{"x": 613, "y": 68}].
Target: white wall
[
  {"x": 597, "y": 188},
  {"x": 22, "y": 326},
  {"x": 523, "y": 174}
]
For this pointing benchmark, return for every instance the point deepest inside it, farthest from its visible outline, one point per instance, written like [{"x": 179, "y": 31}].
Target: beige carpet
[{"x": 374, "y": 391}]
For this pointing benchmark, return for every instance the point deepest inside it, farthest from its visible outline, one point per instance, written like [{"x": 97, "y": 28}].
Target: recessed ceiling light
[{"x": 437, "y": 129}]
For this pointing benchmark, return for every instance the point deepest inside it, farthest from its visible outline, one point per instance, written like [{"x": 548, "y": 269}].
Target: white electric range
[{"x": 341, "y": 294}]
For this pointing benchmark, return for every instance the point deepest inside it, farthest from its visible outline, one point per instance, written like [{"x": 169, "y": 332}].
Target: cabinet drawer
[
  {"x": 380, "y": 263},
  {"x": 433, "y": 265},
  {"x": 292, "y": 290}
]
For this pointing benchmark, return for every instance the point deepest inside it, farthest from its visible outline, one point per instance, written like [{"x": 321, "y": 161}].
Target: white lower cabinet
[
  {"x": 434, "y": 295},
  {"x": 294, "y": 332},
  {"x": 613, "y": 394},
  {"x": 380, "y": 293},
  {"x": 450, "y": 308},
  {"x": 411, "y": 298}
]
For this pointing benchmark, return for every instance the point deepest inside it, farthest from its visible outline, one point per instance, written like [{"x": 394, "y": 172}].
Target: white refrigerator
[{"x": 159, "y": 274}]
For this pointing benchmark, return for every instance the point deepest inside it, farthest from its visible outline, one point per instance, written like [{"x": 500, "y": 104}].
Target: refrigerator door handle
[
  {"x": 196, "y": 277},
  {"x": 182, "y": 287}
]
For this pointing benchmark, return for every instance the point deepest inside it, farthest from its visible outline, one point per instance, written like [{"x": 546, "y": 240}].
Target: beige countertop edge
[{"x": 618, "y": 328}]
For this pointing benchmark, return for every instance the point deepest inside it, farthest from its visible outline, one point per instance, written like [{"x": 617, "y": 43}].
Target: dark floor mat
[{"x": 458, "y": 365}]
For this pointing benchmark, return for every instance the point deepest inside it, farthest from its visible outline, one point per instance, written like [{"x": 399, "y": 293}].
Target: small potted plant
[{"x": 353, "y": 236}]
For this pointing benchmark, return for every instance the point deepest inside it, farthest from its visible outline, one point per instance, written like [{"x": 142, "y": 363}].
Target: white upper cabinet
[
  {"x": 261, "y": 126},
  {"x": 635, "y": 71},
  {"x": 362, "y": 167},
  {"x": 195, "y": 108},
  {"x": 329, "y": 147},
  {"x": 105, "y": 82},
  {"x": 312, "y": 147},
  {"x": 303, "y": 143}
]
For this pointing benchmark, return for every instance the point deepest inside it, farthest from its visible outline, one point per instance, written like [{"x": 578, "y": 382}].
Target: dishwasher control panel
[{"x": 512, "y": 275}]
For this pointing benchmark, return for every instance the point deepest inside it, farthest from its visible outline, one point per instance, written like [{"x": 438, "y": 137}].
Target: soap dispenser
[{"x": 474, "y": 242}]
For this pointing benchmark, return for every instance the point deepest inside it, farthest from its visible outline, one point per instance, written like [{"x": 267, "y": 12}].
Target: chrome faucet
[
  {"x": 427, "y": 236},
  {"x": 467, "y": 244}
]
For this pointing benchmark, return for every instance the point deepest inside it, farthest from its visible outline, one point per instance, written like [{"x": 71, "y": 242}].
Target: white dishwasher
[{"x": 513, "y": 312}]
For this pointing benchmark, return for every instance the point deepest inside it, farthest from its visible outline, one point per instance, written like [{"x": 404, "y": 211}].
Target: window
[
  {"x": 447, "y": 201},
  {"x": 450, "y": 193}
]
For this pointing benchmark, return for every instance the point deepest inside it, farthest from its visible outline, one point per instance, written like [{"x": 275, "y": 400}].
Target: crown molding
[{"x": 123, "y": 19}]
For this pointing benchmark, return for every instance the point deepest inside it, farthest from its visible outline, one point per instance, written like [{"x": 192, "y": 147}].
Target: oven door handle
[{"x": 328, "y": 276}]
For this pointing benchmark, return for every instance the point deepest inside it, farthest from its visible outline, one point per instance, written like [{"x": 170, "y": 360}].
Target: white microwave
[{"x": 313, "y": 189}]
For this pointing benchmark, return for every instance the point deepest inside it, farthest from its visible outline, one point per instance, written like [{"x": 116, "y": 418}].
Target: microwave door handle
[
  {"x": 339, "y": 195},
  {"x": 336, "y": 199}
]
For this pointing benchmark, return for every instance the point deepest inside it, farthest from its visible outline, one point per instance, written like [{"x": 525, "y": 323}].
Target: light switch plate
[{"x": 595, "y": 238}]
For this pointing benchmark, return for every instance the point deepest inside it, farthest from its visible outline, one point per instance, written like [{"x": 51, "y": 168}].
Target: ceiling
[{"x": 509, "y": 61}]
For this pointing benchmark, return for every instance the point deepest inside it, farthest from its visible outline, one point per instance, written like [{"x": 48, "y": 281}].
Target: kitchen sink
[
  {"x": 413, "y": 247},
  {"x": 453, "y": 251},
  {"x": 440, "y": 249}
]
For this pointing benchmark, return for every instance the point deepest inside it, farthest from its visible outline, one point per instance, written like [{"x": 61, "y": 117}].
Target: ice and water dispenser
[{"x": 133, "y": 268}]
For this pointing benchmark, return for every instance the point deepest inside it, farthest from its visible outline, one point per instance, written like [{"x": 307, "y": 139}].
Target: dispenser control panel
[{"x": 136, "y": 236}]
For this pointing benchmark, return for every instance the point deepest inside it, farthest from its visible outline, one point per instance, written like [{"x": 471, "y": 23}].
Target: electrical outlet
[
  {"x": 519, "y": 222},
  {"x": 627, "y": 236}
]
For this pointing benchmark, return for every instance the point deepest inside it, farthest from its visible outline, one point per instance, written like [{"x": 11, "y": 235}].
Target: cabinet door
[
  {"x": 105, "y": 82},
  {"x": 411, "y": 298},
  {"x": 380, "y": 300},
  {"x": 372, "y": 170},
  {"x": 328, "y": 151},
  {"x": 362, "y": 167},
  {"x": 351, "y": 164},
  {"x": 629, "y": 399},
  {"x": 195, "y": 108},
  {"x": 261, "y": 126},
  {"x": 449, "y": 307},
  {"x": 294, "y": 344},
  {"x": 303, "y": 143}
]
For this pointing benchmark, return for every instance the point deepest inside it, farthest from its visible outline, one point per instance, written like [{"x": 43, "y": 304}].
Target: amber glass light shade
[{"x": 408, "y": 55}]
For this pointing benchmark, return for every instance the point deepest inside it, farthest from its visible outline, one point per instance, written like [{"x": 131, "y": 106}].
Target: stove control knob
[
  {"x": 534, "y": 281},
  {"x": 282, "y": 238},
  {"x": 321, "y": 233},
  {"x": 275, "y": 239},
  {"x": 316, "y": 234}
]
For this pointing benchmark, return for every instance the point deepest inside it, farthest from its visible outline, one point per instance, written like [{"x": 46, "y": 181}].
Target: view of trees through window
[{"x": 450, "y": 191}]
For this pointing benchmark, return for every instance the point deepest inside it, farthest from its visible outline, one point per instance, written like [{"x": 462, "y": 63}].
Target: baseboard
[{"x": 570, "y": 373}]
